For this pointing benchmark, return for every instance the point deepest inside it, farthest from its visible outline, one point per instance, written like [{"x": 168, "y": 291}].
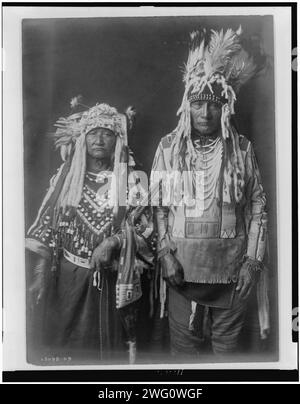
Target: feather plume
[
  {"x": 75, "y": 101},
  {"x": 131, "y": 114},
  {"x": 196, "y": 54},
  {"x": 242, "y": 68},
  {"x": 65, "y": 151},
  {"x": 220, "y": 49},
  {"x": 223, "y": 56},
  {"x": 239, "y": 31},
  {"x": 68, "y": 129}
]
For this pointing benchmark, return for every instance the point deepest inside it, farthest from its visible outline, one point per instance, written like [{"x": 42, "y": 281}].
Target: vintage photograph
[
  {"x": 187, "y": 276},
  {"x": 150, "y": 190}
]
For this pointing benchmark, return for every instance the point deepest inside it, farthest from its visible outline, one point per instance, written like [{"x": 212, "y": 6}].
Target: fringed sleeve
[
  {"x": 256, "y": 215},
  {"x": 256, "y": 222},
  {"x": 40, "y": 236},
  {"x": 160, "y": 168}
]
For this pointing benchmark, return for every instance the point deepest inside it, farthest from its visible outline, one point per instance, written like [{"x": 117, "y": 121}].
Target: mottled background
[{"x": 134, "y": 61}]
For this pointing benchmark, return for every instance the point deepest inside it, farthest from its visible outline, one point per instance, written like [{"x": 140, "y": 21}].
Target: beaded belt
[{"x": 74, "y": 259}]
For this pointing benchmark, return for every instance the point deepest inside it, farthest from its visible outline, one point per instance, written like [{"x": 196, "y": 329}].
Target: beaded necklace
[
  {"x": 97, "y": 177},
  {"x": 207, "y": 168}
]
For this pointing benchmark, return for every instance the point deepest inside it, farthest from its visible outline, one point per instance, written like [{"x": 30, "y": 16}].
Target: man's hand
[
  {"x": 172, "y": 270},
  {"x": 103, "y": 253},
  {"x": 246, "y": 281}
]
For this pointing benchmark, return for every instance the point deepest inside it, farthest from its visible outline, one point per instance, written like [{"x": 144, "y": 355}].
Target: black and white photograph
[{"x": 152, "y": 178}]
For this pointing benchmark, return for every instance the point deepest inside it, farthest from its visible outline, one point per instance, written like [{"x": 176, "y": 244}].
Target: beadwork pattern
[{"x": 79, "y": 233}]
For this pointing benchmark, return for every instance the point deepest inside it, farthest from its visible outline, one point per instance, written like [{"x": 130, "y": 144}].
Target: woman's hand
[
  {"x": 103, "y": 253},
  {"x": 172, "y": 270}
]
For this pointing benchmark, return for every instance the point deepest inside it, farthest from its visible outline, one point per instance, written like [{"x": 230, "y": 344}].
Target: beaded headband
[
  {"x": 207, "y": 97},
  {"x": 102, "y": 115}
]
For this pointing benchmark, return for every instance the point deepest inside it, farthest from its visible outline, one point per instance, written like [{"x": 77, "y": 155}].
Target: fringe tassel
[
  {"x": 163, "y": 294},
  {"x": 119, "y": 183},
  {"x": 263, "y": 304},
  {"x": 151, "y": 293},
  {"x": 234, "y": 169},
  {"x": 132, "y": 352},
  {"x": 155, "y": 281},
  {"x": 220, "y": 278},
  {"x": 192, "y": 316},
  {"x": 225, "y": 121},
  {"x": 97, "y": 280}
]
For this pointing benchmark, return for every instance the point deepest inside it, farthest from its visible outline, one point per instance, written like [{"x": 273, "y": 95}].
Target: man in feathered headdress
[
  {"x": 87, "y": 266},
  {"x": 211, "y": 218}
]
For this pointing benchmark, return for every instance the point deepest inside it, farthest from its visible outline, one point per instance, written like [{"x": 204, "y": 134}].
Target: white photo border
[{"x": 14, "y": 345}]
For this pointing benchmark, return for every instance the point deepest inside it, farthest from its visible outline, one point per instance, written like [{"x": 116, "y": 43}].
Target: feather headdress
[
  {"x": 70, "y": 128},
  {"x": 218, "y": 69},
  {"x": 215, "y": 70},
  {"x": 70, "y": 138}
]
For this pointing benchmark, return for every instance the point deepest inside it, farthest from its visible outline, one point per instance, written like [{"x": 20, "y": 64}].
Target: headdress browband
[{"x": 207, "y": 97}]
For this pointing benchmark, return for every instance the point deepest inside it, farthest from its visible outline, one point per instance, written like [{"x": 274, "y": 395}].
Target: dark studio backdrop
[{"x": 135, "y": 61}]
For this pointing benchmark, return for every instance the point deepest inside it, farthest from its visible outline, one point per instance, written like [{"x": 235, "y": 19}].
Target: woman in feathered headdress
[
  {"x": 212, "y": 222},
  {"x": 87, "y": 267}
]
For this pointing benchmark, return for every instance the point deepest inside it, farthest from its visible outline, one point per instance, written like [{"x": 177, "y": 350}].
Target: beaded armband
[{"x": 252, "y": 264}]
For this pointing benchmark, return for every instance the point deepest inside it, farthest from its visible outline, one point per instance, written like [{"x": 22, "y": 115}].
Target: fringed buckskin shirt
[{"x": 210, "y": 239}]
